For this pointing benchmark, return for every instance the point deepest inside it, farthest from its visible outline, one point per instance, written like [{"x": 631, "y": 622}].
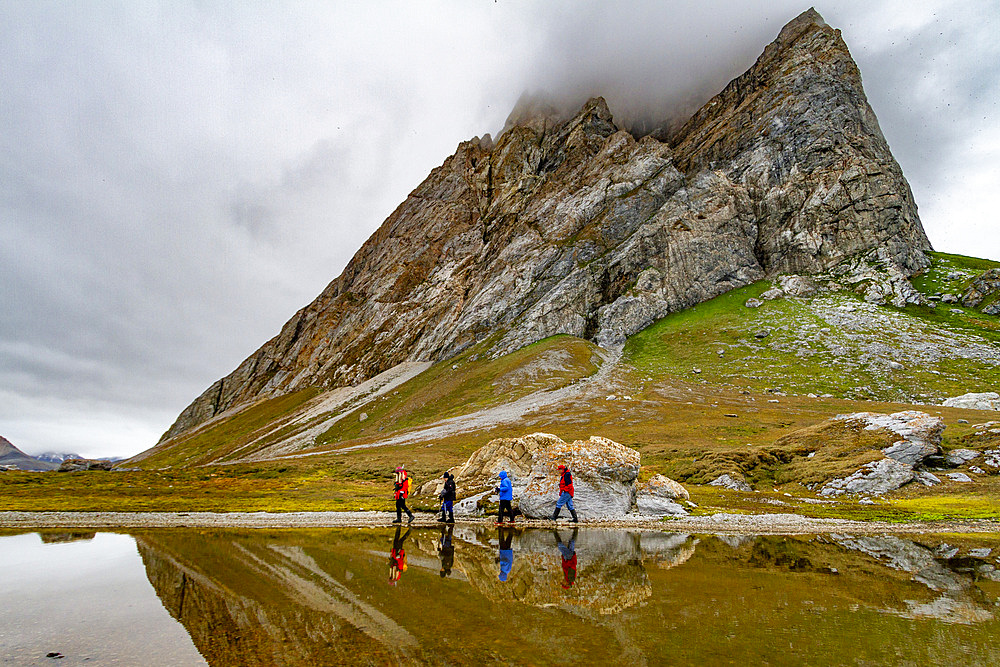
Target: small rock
[
  {"x": 963, "y": 421},
  {"x": 773, "y": 400},
  {"x": 927, "y": 479},
  {"x": 363, "y": 416},
  {"x": 958, "y": 457},
  {"x": 945, "y": 551},
  {"x": 959, "y": 477},
  {"x": 977, "y": 470},
  {"x": 957, "y": 311},
  {"x": 982, "y": 552},
  {"x": 728, "y": 482},
  {"x": 772, "y": 294},
  {"x": 763, "y": 333},
  {"x": 866, "y": 501},
  {"x": 895, "y": 365},
  {"x": 696, "y": 370},
  {"x": 753, "y": 303}
]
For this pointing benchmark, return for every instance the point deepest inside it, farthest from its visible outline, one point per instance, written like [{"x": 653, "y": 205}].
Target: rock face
[
  {"x": 576, "y": 226},
  {"x": 604, "y": 478},
  {"x": 981, "y": 290}
]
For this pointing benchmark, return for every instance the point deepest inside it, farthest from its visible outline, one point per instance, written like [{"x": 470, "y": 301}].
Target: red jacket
[
  {"x": 566, "y": 483},
  {"x": 400, "y": 485}
]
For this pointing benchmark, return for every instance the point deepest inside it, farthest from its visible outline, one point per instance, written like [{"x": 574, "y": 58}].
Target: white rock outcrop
[
  {"x": 989, "y": 400},
  {"x": 920, "y": 437}
]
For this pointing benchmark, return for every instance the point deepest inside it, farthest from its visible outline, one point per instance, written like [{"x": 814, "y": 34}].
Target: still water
[{"x": 470, "y": 596}]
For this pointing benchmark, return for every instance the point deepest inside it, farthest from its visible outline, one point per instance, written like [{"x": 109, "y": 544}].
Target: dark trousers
[
  {"x": 400, "y": 508},
  {"x": 505, "y": 506}
]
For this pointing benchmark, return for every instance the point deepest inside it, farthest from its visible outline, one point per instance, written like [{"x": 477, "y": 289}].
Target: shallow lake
[{"x": 482, "y": 595}]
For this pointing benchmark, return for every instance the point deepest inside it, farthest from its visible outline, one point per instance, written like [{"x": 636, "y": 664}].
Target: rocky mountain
[
  {"x": 12, "y": 456},
  {"x": 576, "y": 226}
]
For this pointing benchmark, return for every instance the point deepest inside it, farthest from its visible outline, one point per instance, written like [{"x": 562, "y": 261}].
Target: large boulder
[
  {"x": 604, "y": 474},
  {"x": 989, "y": 400},
  {"x": 604, "y": 478},
  {"x": 79, "y": 465},
  {"x": 657, "y": 496}
]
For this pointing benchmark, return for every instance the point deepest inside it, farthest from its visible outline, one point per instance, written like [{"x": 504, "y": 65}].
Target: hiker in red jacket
[
  {"x": 565, "y": 493},
  {"x": 397, "y": 557},
  {"x": 568, "y": 553},
  {"x": 401, "y": 486}
]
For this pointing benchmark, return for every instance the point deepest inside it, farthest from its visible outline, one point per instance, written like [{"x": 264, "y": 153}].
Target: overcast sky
[{"x": 178, "y": 178}]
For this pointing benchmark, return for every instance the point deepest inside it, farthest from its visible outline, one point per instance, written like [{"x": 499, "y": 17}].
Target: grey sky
[{"x": 176, "y": 179}]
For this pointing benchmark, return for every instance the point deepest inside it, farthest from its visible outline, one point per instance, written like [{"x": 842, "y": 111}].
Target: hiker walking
[
  {"x": 446, "y": 550},
  {"x": 397, "y": 556},
  {"x": 565, "y": 493},
  {"x": 568, "y": 553},
  {"x": 506, "y": 493},
  {"x": 448, "y": 498},
  {"x": 506, "y": 554},
  {"x": 401, "y": 484}
]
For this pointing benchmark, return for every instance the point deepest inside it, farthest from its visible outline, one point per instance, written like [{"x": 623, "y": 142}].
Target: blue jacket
[{"x": 506, "y": 489}]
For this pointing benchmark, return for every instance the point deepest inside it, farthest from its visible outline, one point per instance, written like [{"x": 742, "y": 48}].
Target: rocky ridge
[{"x": 579, "y": 227}]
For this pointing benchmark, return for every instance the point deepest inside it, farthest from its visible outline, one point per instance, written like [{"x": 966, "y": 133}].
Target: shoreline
[{"x": 741, "y": 524}]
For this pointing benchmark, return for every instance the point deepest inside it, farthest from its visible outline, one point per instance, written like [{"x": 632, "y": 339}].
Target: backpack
[{"x": 407, "y": 486}]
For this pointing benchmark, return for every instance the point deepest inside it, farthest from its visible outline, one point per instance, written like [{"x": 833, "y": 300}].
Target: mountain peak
[
  {"x": 568, "y": 226},
  {"x": 798, "y": 25}
]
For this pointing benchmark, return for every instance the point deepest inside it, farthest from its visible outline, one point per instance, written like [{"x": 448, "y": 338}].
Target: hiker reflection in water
[
  {"x": 568, "y": 552},
  {"x": 446, "y": 550},
  {"x": 397, "y": 557},
  {"x": 506, "y": 555}
]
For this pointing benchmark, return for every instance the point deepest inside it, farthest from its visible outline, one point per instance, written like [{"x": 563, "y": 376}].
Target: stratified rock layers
[{"x": 578, "y": 227}]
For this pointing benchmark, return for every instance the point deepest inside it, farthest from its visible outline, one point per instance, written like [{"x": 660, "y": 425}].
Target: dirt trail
[
  {"x": 593, "y": 387},
  {"x": 741, "y": 524}
]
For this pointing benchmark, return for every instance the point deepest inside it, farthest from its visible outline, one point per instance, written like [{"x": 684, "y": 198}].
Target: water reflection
[
  {"x": 635, "y": 597},
  {"x": 461, "y": 595}
]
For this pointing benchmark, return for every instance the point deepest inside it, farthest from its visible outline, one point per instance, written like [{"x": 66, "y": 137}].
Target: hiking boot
[
  {"x": 555, "y": 515},
  {"x": 409, "y": 518},
  {"x": 441, "y": 518},
  {"x": 573, "y": 512},
  {"x": 397, "y": 521},
  {"x": 451, "y": 518}
]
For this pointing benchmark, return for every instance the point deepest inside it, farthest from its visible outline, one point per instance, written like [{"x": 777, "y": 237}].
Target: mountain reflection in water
[{"x": 462, "y": 595}]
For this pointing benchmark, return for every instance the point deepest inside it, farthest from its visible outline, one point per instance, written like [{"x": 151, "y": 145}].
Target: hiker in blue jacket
[
  {"x": 506, "y": 493},
  {"x": 506, "y": 554}
]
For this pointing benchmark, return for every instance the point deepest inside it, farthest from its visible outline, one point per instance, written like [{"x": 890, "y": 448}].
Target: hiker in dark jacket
[
  {"x": 448, "y": 498},
  {"x": 506, "y": 493},
  {"x": 565, "y": 493},
  {"x": 446, "y": 550}
]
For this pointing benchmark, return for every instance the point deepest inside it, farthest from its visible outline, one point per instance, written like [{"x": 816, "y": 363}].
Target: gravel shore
[{"x": 756, "y": 524}]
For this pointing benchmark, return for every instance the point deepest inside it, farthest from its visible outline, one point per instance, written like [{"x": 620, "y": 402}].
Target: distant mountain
[
  {"x": 57, "y": 457},
  {"x": 12, "y": 456}
]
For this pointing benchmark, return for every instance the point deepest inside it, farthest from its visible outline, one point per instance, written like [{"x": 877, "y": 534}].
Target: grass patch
[{"x": 214, "y": 441}]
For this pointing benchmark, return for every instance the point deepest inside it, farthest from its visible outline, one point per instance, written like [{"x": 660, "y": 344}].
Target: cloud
[{"x": 179, "y": 178}]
